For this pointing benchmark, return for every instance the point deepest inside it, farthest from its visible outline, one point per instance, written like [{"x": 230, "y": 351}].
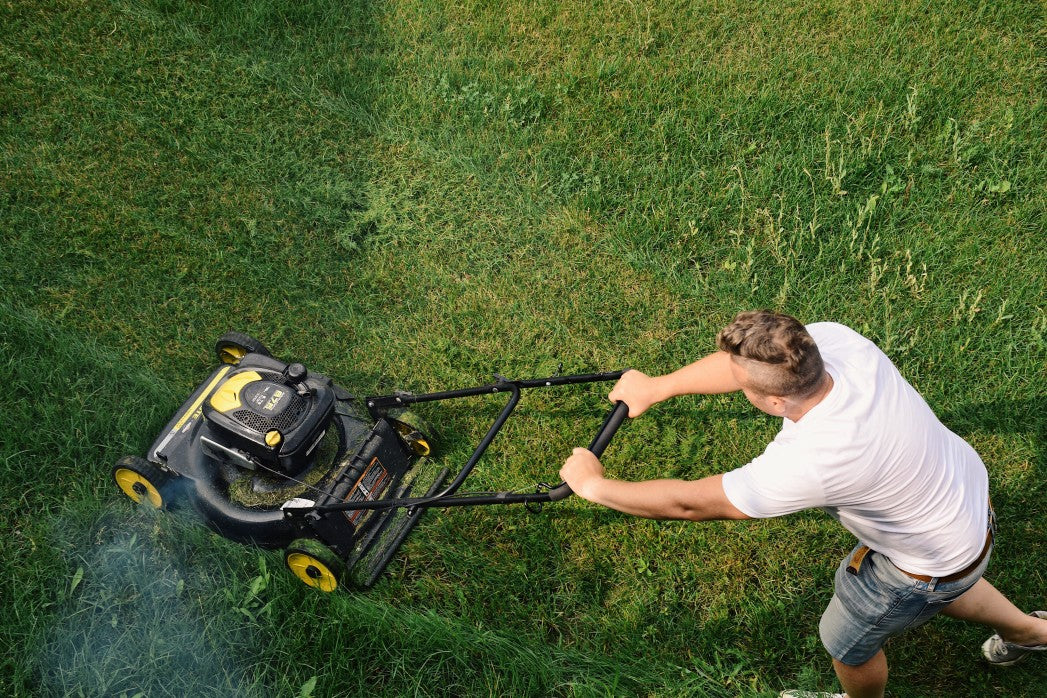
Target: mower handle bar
[
  {"x": 603, "y": 437},
  {"x": 379, "y": 405},
  {"x": 612, "y": 422}
]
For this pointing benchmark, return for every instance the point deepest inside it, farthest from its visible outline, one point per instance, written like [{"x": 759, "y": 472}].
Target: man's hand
[
  {"x": 582, "y": 471},
  {"x": 706, "y": 376},
  {"x": 693, "y": 500},
  {"x": 638, "y": 390}
]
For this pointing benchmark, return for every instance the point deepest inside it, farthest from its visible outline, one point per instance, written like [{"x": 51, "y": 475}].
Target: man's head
[{"x": 774, "y": 358}]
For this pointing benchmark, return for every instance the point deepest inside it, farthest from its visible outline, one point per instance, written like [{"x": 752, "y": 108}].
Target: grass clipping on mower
[{"x": 269, "y": 490}]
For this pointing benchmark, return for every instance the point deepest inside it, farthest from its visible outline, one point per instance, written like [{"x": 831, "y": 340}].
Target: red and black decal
[{"x": 367, "y": 488}]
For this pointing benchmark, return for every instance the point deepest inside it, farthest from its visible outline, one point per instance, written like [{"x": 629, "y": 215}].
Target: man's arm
[
  {"x": 692, "y": 500},
  {"x": 707, "y": 376}
]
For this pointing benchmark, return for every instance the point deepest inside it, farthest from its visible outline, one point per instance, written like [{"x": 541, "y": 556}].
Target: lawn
[{"x": 418, "y": 195}]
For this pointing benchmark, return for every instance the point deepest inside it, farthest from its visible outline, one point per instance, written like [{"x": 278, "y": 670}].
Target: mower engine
[{"x": 270, "y": 414}]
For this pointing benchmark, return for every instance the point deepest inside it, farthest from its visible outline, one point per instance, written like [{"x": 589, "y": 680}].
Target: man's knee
[{"x": 866, "y": 679}]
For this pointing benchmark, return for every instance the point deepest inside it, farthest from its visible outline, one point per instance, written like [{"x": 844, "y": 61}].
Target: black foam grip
[{"x": 603, "y": 437}]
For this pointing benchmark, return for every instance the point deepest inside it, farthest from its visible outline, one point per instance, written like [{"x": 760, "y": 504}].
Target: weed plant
[{"x": 417, "y": 195}]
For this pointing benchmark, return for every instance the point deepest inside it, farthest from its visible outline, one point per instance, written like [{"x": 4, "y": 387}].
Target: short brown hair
[{"x": 782, "y": 357}]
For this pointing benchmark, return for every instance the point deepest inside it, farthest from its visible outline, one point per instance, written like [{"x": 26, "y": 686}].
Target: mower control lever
[{"x": 614, "y": 420}]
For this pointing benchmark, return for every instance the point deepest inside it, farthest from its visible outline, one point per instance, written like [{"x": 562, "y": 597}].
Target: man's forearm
[
  {"x": 692, "y": 500},
  {"x": 708, "y": 376}
]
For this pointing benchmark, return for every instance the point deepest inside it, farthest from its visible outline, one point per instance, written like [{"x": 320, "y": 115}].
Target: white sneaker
[
  {"x": 998, "y": 651},
  {"x": 808, "y": 694}
]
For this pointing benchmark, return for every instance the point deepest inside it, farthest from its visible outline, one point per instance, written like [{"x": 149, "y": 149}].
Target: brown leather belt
[
  {"x": 955, "y": 575},
  {"x": 856, "y": 560}
]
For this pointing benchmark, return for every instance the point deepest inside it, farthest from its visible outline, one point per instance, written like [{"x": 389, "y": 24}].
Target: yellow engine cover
[{"x": 227, "y": 397}]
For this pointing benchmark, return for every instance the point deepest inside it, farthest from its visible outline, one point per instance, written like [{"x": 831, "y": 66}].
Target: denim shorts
[{"x": 881, "y": 601}]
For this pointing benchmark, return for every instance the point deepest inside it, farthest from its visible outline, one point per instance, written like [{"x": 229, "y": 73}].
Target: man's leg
[
  {"x": 865, "y": 680},
  {"x": 984, "y": 604}
]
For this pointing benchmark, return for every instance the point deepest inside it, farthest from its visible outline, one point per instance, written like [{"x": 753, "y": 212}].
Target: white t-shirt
[{"x": 874, "y": 456}]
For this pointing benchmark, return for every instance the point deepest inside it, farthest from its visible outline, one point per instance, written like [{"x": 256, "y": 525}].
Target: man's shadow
[{"x": 1004, "y": 417}]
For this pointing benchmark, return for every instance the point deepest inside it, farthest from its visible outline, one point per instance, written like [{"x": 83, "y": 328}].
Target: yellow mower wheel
[
  {"x": 412, "y": 429},
  {"x": 231, "y": 355},
  {"x": 232, "y": 347},
  {"x": 141, "y": 480},
  {"x": 312, "y": 563}
]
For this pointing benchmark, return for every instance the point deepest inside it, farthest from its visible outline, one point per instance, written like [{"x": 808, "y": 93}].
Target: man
[{"x": 860, "y": 443}]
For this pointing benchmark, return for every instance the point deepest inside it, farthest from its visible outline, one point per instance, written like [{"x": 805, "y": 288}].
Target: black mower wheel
[
  {"x": 314, "y": 563},
  {"x": 231, "y": 347},
  {"x": 142, "y": 481},
  {"x": 415, "y": 433}
]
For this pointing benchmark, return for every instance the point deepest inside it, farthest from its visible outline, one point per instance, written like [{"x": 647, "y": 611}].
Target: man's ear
[{"x": 778, "y": 404}]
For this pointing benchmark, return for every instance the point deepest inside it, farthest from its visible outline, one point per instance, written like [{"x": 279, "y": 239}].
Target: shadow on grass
[{"x": 1025, "y": 417}]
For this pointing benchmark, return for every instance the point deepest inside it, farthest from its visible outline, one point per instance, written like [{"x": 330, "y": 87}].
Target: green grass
[{"x": 417, "y": 195}]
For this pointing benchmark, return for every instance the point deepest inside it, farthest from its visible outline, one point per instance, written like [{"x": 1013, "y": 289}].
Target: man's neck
[{"x": 801, "y": 408}]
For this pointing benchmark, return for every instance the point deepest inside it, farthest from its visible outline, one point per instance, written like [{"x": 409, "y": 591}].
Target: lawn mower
[{"x": 275, "y": 455}]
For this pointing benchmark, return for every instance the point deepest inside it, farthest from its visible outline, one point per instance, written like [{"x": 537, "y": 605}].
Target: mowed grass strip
[{"x": 419, "y": 195}]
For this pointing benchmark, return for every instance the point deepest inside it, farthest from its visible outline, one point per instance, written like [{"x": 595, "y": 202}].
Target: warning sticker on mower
[{"x": 367, "y": 488}]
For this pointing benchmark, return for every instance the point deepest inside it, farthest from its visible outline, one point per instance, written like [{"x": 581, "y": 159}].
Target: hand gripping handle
[{"x": 614, "y": 420}]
